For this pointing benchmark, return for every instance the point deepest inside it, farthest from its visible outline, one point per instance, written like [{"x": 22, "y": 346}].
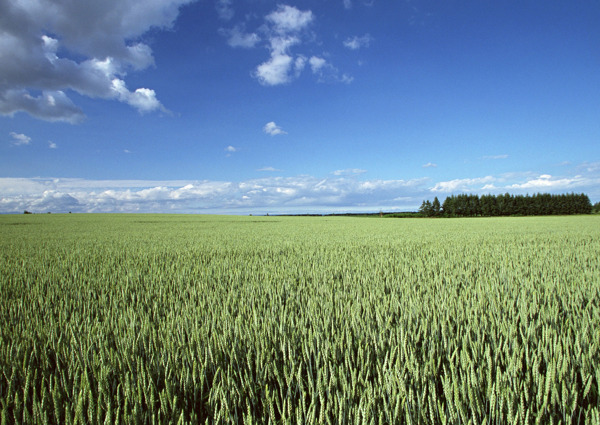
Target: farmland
[{"x": 299, "y": 320}]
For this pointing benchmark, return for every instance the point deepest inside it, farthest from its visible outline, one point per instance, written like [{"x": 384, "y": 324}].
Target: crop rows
[{"x": 272, "y": 320}]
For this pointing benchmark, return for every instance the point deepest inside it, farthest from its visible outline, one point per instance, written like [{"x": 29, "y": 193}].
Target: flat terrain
[{"x": 228, "y": 319}]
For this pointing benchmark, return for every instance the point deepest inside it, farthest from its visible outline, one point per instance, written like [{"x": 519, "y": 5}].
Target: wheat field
[{"x": 110, "y": 319}]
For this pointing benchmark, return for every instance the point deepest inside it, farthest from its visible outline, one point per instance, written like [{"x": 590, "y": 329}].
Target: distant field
[{"x": 299, "y": 320}]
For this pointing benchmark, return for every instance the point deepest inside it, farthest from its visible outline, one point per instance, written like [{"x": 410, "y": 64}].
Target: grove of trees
[{"x": 469, "y": 205}]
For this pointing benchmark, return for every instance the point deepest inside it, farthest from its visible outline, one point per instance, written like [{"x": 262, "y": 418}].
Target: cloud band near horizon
[{"x": 299, "y": 194}]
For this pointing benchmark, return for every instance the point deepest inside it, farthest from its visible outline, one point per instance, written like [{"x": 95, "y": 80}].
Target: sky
[{"x": 315, "y": 106}]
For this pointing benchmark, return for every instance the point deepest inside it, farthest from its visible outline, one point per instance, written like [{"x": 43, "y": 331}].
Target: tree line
[{"x": 469, "y": 205}]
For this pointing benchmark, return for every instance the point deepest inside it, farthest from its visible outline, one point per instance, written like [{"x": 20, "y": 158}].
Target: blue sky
[{"x": 254, "y": 106}]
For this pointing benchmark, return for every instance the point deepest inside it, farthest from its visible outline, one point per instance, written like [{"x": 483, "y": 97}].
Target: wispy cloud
[
  {"x": 356, "y": 42},
  {"x": 273, "y": 129},
  {"x": 238, "y": 37},
  {"x": 225, "y": 9},
  {"x": 52, "y": 145},
  {"x": 590, "y": 167},
  {"x": 349, "y": 172},
  {"x": 429, "y": 165},
  {"x": 19, "y": 139},
  {"x": 269, "y": 169},
  {"x": 326, "y": 72},
  {"x": 230, "y": 150},
  {"x": 503, "y": 156}
]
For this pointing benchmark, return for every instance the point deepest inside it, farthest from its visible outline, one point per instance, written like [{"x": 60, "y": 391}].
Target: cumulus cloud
[
  {"x": 52, "y": 145},
  {"x": 587, "y": 181},
  {"x": 547, "y": 182},
  {"x": 356, "y": 42},
  {"x": 275, "y": 71},
  {"x": 51, "y": 48},
  {"x": 462, "y": 185},
  {"x": 284, "y": 29},
  {"x": 344, "y": 190},
  {"x": 287, "y": 19},
  {"x": 273, "y": 129},
  {"x": 289, "y": 194},
  {"x": 19, "y": 139},
  {"x": 49, "y": 106}
]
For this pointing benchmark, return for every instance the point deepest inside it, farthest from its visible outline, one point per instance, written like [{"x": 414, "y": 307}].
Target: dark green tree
[
  {"x": 426, "y": 210},
  {"x": 436, "y": 207}
]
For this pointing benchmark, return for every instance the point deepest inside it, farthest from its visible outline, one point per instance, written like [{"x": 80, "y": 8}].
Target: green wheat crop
[{"x": 292, "y": 320}]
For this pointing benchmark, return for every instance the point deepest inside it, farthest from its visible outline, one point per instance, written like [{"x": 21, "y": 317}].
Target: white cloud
[
  {"x": 283, "y": 31},
  {"x": 429, "y": 165},
  {"x": 49, "y": 106},
  {"x": 224, "y": 9},
  {"x": 237, "y": 37},
  {"x": 270, "y": 169},
  {"x": 144, "y": 100},
  {"x": 346, "y": 79},
  {"x": 287, "y": 27},
  {"x": 287, "y": 19},
  {"x": 587, "y": 181},
  {"x": 547, "y": 182},
  {"x": 327, "y": 72},
  {"x": 275, "y": 71},
  {"x": 19, "y": 139},
  {"x": 356, "y": 42},
  {"x": 462, "y": 185},
  {"x": 503, "y": 156},
  {"x": 278, "y": 194},
  {"x": 273, "y": 129},
  {"x": 52, "y": 48},
  {"x": 349, "y": 172},
  {"x": 316, "y": 64},
  {"x": 52, "y": 145},
  {"x": 344, "y": 190},
  {"x": 230, "y": 150},
  {"x": 348, "y": 4},
  {"x": 590, "y": 167}
]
